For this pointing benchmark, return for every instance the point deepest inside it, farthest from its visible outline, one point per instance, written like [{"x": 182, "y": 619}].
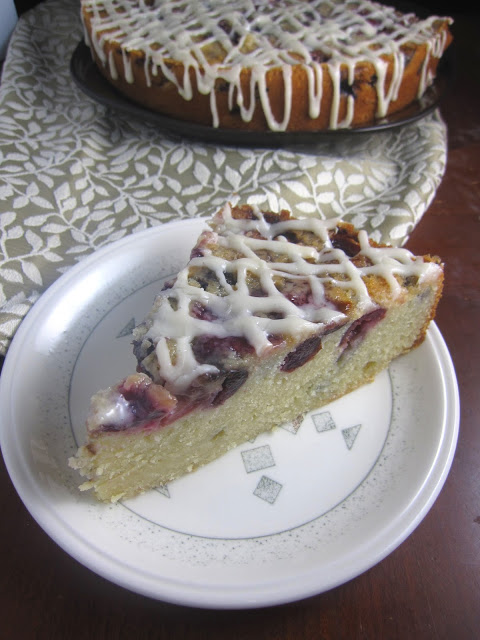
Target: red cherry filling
[
  {"x": 344, "y": 241},
  {"x": 301, "y": 354},
  {"x": 151, "y": 406},
  {"x": 198, "y": 310},
  {"x": 212, "y": 350},
  {"x": 145, "y": 400},
  {"x": 230, "y": 385},
  {"x": 298, "y": 292},
  {"x": 360, "y": 327}
]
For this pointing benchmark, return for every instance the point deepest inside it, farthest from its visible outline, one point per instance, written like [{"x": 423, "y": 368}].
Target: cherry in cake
[{"x": 272, "y": 317}]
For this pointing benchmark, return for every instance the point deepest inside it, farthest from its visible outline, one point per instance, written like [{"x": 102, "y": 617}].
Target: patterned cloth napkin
[{"x": 76, "y": 175}]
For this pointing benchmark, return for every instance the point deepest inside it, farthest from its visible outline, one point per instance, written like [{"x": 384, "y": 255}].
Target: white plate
[{"x": 294, "y": 513}]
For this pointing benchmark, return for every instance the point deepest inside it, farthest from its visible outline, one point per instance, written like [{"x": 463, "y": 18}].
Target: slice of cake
[
  {"x": 272, "y": 317},
  {"x": 283, "y": 65}
]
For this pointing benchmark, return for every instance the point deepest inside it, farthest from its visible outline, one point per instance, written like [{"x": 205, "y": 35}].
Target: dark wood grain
[{"x": 429, "y": 588}]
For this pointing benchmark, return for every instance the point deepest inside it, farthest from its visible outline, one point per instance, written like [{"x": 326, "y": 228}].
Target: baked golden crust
[{"x": 350, "y": 93}]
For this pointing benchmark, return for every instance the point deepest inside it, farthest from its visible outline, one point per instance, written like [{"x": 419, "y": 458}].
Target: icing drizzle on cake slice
[{"x": 253, "y": 277}]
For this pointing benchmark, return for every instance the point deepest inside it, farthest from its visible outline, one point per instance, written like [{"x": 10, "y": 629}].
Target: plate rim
[{"x": 177, "y": 592}]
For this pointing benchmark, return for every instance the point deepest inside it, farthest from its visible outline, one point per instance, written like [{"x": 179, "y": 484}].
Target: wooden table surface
[{"x": 427, "y": 588}]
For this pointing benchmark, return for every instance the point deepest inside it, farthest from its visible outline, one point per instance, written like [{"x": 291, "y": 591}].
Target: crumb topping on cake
[
  {"x": 216, "y": 41},
  {"x": 257, "y": 279}
]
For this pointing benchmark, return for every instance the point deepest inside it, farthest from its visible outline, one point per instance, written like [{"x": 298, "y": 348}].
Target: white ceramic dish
[{"x": 294, "y": 513}]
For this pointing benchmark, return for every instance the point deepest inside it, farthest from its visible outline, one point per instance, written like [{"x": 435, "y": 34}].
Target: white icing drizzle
[
  {"x": 264, "y": 35},
  {"x": 236, "y": 312},
  {"x": 391, "y": 261}
]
